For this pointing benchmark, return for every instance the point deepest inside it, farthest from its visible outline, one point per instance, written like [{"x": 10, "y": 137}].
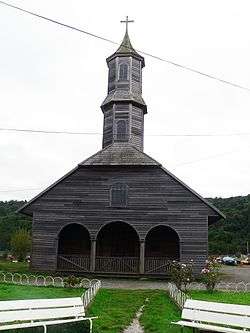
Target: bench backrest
[
  {"x": 217, "y": 313},
  {"x": 41, "y": 309}
]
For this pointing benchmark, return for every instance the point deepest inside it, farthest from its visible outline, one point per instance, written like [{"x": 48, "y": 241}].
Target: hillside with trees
[
  {"x": 225, "y": 237},
  {"x": 230, "y": 236}
]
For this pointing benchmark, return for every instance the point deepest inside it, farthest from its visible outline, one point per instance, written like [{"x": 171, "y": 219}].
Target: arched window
[
  {"x": 123, "y": 72},
  {"x": 118, "y": 195},
  {"x": 121, "y": 130}
]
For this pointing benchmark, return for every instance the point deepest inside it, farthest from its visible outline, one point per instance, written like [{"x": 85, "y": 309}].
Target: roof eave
[
  {"x": 132, "y": 101},
  {"x": 22, "y": 209},
  {"x": 218, "y": 212},
  {"x": 127, "y": 54}
]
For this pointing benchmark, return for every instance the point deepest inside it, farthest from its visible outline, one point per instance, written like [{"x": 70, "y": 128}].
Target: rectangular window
[{"x": 118, "y": 195}]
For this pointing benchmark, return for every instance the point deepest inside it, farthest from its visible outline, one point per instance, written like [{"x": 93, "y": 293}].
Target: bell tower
[{"x": 124, "y": 107}]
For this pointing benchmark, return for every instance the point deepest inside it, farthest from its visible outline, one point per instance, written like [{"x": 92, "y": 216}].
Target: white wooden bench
[
  {"x": 217, "y": 317},
  {"x": 41, "y": 312}
]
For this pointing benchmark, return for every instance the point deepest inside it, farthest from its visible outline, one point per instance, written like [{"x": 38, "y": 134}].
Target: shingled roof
[
  {"x": 120, "y": 154},
  {"x": 122, "y": 96},
  {"x": 126, "y": 49},
  {"x": 126, "y": 45}
]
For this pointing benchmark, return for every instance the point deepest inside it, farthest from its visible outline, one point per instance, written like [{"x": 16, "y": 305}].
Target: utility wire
[
  {"x": 98, "y": 133},
  {"x": 175, "y": 166},
  {"x": 113, "y": 42},
  {"x": 210, "y": 157}
]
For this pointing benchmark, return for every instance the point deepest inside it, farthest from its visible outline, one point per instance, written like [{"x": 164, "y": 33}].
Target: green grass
[
  {"x": 14, "y": 292},
  {"x": 158, "y": 314},
  {"x": 116, "y": 309},
  {"x": 222, "y": 296},
  {"x": 13, "y": 267}
]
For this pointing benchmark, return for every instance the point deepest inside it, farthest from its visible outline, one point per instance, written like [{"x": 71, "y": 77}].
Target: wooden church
[{"x": 120, "y": 211}]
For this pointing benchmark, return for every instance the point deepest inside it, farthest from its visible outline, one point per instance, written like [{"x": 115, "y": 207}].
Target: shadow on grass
[{"x": 80, "y": 327}]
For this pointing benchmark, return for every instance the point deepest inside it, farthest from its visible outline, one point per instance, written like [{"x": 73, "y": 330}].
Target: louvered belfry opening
[
  {"x": 74, "y": 248},
  {"x": 117, "y": 249},
  {"x": 162, "y": 246}
]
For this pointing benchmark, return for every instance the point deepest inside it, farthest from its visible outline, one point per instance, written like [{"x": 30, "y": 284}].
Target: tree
[
  {"x": 10, "y": 222},
  {"x": 20, "y": 244}
]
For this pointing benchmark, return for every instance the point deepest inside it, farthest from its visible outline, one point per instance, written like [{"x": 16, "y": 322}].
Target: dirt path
[
  {"x": 135, "y": 326},
  {"x": 133, "y": 284}
]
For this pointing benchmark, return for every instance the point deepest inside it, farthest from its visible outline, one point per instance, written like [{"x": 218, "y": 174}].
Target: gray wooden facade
[{"x": 161, "y": 218}]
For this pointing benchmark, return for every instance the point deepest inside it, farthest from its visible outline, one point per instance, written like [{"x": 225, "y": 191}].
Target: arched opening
[
  {"x": 117, "y": 249},
  {"x": 74, "y": 248},
  {"x": 162, "y": 246}
]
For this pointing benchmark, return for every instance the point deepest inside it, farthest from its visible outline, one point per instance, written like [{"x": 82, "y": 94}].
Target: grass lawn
[
  {"x": 8, "y": 266},
  {"x": 222, "y": 296},
  {"x": 115, "y": 308},
  {"x": 13, "y": 292},
  {"x": 158, "y": 314}
]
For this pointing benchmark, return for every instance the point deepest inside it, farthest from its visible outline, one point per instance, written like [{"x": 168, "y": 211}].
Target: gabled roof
[
  {"x": 216, "y": 210},
  {"x": 120, "y": 154}
]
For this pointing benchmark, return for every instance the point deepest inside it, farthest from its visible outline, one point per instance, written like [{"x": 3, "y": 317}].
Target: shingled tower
[
  {"x": 119, "y": 211},
  {"x": 124, "y": 107}
]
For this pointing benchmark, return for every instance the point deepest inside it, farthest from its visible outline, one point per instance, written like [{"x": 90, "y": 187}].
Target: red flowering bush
[{"x": 210, "y": 274}]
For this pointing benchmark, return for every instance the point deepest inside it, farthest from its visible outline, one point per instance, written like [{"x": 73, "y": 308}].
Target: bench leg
[
  {"x": 45, "y": 329},
  {"x": 90, "y": 326}
]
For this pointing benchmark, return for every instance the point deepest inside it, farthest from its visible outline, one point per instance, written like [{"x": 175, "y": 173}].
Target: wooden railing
[
  {"x": 128, "y": 265},
  {"x": 117, "y": 264},
  {"x": 157, "y": 265},
  {"x": 73, "y": 262}
]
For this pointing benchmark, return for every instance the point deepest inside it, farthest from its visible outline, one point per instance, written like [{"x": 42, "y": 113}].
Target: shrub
[
  {"x": 72, "y": 281},
  {"x": 210, "y": 274},
  {"x": 20, "y": 244},
  {"x": 181, "y": 274}
]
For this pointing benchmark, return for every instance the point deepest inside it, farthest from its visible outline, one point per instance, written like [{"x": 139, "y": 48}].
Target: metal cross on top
[{"x": 127, "y": 21}]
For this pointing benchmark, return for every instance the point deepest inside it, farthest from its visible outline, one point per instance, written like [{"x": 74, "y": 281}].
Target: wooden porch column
[
  {"x": 142, "y": 256},
  {"x": 92, "y": 255}
]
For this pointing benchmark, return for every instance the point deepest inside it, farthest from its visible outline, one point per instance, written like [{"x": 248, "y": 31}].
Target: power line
[
  {"x": 116, "y": 43},
  {"x": 176, "y": 166},
  {"x": 209, "y": 157},
  {"x": 99, "y": 133}
]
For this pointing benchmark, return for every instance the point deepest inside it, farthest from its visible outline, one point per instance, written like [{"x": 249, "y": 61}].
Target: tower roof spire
[{"x": 126, "y": 47}]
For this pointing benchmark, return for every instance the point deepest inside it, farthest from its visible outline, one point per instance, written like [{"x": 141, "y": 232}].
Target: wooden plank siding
[{"x": 154, "y": 199}]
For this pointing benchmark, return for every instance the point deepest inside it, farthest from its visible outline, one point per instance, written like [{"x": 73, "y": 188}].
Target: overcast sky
[{"x": 53, "y": 78}]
